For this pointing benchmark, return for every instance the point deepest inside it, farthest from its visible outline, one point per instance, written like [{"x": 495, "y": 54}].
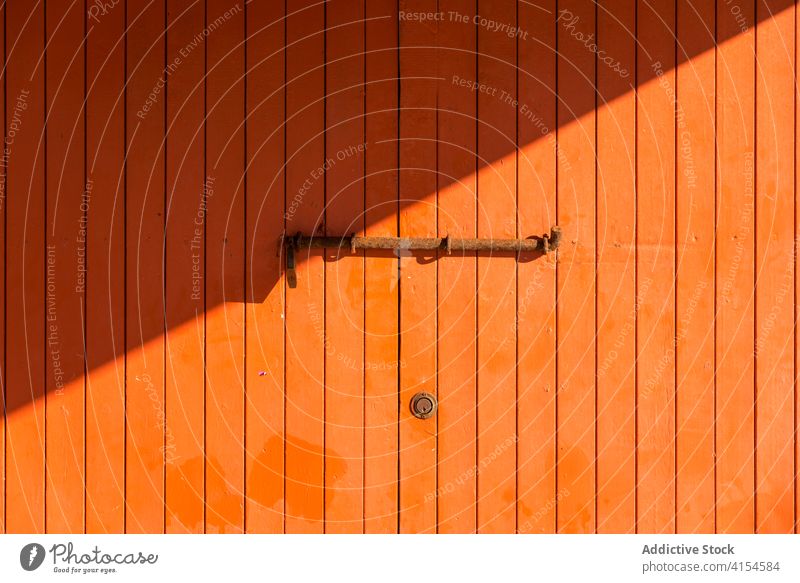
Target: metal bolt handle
[{"x": 544, "y": 243}]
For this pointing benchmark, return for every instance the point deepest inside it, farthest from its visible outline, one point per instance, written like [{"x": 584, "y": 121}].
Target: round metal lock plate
[{"x": 423, "y": 405}]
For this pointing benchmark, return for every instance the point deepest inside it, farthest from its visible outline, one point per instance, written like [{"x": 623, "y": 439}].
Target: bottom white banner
[{"x": 416, "y": 558}]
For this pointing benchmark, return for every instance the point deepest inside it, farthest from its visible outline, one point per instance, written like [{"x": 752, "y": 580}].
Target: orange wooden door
[{"x": 159, "y": 373}]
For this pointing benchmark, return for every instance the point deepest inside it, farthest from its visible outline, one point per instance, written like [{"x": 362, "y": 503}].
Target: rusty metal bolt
[{"x": 423, "y": 405}]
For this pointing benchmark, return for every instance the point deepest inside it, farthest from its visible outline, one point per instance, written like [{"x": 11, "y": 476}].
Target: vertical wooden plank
[
  {"x": 3, "y": 211},
  {"x": 616, "y": 269},
  {"x": 381, "y": 271},
  {"x": 418, "y": 218},
  {"x": 305, "y": 326},
  {"x": 225, "y": 224},
  {"x": 655, "y": 268},
  {"x": 25, "y": 256},
  {"x": 695, "y": 268},
  {"x": 497, "y": 203},
  {"x": 187, "y": 195},
  {"x": 344, "y": 276},
  {"x": 734, "y": 270},
  {"x": 265, "y": 299},
  {"x": 796, "y": 288},
  {"x": 774, "y": 417},
  {"x": 576, "y": 270},
  {"x": 146, "y": 85},
  {"x": 66, "y": 255},
  {"x": 536, "y": 284},
  {"x": 105, "y": 275},
  {"x": 456, "y": 491}
]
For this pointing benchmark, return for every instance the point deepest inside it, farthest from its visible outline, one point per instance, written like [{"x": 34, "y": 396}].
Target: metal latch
[{"x": 291, "y": 244}]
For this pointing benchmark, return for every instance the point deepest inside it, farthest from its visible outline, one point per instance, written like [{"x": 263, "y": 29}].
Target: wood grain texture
[
  {"x": 344, "y": 276},
  {"x": 105, "y": 277},
  {"x": 381, "y": 274},
  {"x": 3, "y": 375},
  {"x": 537, "y": 169},
  {"x": 66, "y": 254},
  {"x": 735, "y": 302},
  {"x": 265, "y": 347},
  {"x": 305, "y": 309},
  {"x": 774, "y": 269},
  {"x": 225, "y": 242},
  {"x": 25, "y": 256},
  {"x": 617, "y": 306},
  {"x": 457, "y": 276},
  {"x": 417, "y": 293},
  {"x": 695, "y": 255},
  {"x": 144, "y": 266},
  {"x": 655, "y": 270},
  {"x": 185, "y": 260},
  {"x": 576, "y": 404},
  {"x": 497, "y": 282}
]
